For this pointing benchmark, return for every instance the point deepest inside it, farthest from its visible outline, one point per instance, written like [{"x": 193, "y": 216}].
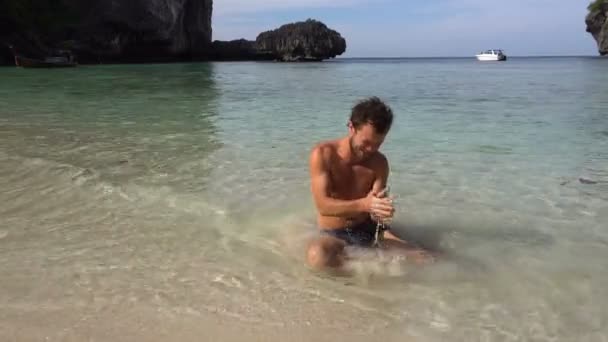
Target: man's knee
[{"x": 322, "y": 254}]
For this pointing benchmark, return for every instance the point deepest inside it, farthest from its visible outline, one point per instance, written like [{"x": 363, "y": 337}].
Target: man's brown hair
[{"x": 372, "y": 111}]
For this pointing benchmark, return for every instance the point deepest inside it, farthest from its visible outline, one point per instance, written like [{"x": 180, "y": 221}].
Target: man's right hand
[{"x": 381, "y": 208}]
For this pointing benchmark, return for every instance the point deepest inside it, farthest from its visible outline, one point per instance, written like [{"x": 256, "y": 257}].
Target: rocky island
[
  {"x": 309, "y": 40},
  {"x": 597, "y": 24},
  {"x": 141, "y": 31},
  {"x": 303, "y": 41}
]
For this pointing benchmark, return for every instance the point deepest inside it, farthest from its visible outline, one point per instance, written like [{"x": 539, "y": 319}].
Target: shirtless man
[{"x": 348, "y": 178}]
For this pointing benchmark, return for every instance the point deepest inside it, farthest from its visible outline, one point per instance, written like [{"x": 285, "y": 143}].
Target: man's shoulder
[
  {"x": 379, "y": 160},
  {"x": 324, "y": 149}
]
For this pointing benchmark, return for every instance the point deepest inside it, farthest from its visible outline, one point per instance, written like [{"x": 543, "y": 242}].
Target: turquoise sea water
[{"x": 179, "y": 194}]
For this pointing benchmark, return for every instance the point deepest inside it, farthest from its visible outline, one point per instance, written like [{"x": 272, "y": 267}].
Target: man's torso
[{"x": 347, "y": 182}]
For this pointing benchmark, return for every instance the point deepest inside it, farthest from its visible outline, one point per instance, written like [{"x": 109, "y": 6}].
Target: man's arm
[
  {"x": 320, "y": 185},
  {"x": 379, "y": 186},
  {"x": 382, "y": 171}
]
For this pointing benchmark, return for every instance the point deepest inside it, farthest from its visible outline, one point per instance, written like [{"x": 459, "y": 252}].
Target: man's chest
[{"x": 352, "y": 181}]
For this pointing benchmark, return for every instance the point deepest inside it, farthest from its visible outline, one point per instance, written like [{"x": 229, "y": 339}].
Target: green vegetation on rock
[{"x": 597, "y": 5}]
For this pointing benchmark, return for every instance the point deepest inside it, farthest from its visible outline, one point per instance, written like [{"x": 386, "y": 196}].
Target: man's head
[{"x": 369, "y": 123}]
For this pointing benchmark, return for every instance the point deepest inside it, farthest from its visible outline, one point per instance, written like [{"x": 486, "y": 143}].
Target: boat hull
[
  {"x": 491, "y": 58},
  {"x": 36, "y": 63}
]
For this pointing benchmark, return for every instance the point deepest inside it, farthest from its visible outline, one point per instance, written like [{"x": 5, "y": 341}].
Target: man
[{"x": 348, "y": 178}]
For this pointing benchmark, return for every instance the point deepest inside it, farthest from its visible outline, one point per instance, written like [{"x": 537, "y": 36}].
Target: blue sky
[{"x": 393, "y": 28}]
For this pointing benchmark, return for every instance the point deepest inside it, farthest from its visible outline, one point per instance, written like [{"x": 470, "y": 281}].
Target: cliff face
[
  {"x": 147, "y": 29},
  {"x": 597, "y": 24},
  {"x": 112, "y": 30}
]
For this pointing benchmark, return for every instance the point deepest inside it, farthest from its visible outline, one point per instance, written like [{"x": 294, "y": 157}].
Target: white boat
[{"x": 491, "y": 55}]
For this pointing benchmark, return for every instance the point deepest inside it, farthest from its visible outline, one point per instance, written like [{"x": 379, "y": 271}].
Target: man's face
[{"x": 364, "y": 141}]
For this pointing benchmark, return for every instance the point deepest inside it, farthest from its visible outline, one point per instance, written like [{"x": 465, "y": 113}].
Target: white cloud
[
  {"x": 462, "y": 27},
  {"x": 227, "y": 7},
  {"x": 438, "y": 28},
  {"x": 234, "y": 19}
]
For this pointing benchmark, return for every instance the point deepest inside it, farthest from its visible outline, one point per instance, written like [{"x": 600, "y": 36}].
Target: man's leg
[
  {"x": 326, "y": 252},
  {"x": 417, "y": 254}
]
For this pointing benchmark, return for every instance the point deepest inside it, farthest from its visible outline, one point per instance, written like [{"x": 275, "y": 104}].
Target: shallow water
[{"x": 169, "y": 201}]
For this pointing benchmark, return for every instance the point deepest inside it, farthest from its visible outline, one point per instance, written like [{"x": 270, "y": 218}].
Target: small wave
[
  {"x": 368, "y": 264},
  {"x": 491, "y": 149},
  {"x": 365, "y": 265},
  {"x": 60, "y": 177}
]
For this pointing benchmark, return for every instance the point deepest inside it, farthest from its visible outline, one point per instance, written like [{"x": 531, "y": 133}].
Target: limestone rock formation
[
  {"x": 139, "y": 31},
  {"x": 110, "y": 30},
  {"x": 597, "y": 24},
  {"x": 310, "y": 40}
]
